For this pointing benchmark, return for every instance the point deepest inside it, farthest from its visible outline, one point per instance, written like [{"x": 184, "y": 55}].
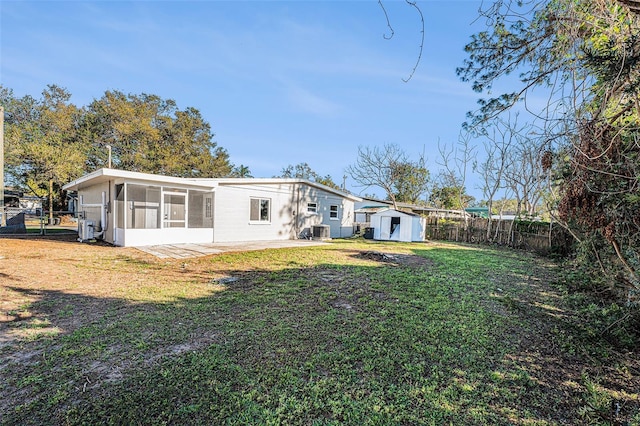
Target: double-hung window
[
  {"x": 312, "y": 208},
  {"x": 260, "y": 210},
  {"x": 333, "y": 212}
]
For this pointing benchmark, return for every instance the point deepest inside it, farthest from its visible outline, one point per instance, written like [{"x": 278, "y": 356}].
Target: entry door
[
  {"x": 385, "y": 227},
  {"x": 175, "y": 210}
]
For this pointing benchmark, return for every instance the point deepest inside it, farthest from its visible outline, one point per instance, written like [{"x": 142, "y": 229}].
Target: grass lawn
[{"x": 354, "y": 332}]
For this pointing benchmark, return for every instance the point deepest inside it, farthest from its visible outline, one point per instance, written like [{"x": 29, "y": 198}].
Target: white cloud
[{"x": 309, "y": 102}]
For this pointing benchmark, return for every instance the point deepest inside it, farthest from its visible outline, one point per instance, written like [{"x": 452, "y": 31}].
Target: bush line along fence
[{"x": 540, "y": 237}]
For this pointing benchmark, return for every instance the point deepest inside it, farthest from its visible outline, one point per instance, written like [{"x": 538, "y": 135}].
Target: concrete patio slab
[{"x": 185, "y": 251}]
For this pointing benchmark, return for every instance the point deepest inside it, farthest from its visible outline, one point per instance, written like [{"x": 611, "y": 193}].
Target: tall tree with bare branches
[{"x": 586, "y": 56}]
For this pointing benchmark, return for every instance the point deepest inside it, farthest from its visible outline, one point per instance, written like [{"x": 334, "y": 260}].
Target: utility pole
[{"x": 3, "y": 216}]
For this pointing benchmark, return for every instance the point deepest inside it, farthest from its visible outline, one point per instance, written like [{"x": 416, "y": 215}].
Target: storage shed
[{"x": 396, "y": 225}]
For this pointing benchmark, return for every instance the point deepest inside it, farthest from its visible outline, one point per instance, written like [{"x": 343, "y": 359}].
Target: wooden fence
[{"x": 540, "y": 237}]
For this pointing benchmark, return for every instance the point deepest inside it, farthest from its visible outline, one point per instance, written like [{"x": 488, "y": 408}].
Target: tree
[
  {"x": 50, "y": 141},
  {"x": 585, "y": 54},
  {"x": 304, "y": 171},
  {"x": 42, "y": 136},
  {"x": 450, "y": 197},
  {"x": 412, "y": 181},
  {"x": 390, "y": 169},
  {"x": 492, "y": 170},
  {"x": 241, "y": 171},
  {"x": 456, "y": 160},
  {"x": 150, "y": 134}
]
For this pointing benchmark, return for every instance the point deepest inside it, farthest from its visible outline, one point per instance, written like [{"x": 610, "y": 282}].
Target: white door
[
  {"x": 385, "y": 227},
  {"x": 175, "y": 210}
]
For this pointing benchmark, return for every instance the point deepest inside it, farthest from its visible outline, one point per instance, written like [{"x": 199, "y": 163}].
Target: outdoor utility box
[
  {"x": 85, "y": 230},
  {"x": 321, "y": 232}
]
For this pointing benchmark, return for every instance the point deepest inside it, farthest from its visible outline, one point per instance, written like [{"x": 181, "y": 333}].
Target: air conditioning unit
[
  {"x": 86, "y": 230},
  {"x": 321, "y": 232}
]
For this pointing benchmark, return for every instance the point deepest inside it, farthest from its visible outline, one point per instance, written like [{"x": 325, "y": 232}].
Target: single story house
[
  {"x": 136, "y": 209},
  {"x": 396, "y": 225}
]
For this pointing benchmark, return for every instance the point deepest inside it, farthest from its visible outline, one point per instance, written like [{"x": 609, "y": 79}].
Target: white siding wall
[
  {"x": 231, "y": 211},
  {"x": 93, "y": 195},
  {"x": 232, "y": 204},
  {"x": 289, "y": 215},
  {"x": 341, "y": 226}
]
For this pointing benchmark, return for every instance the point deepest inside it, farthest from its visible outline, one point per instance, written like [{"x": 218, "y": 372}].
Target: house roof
[
  {"x": 404, "y": 212},
  {"x": 266, "y": 181},
  {"x": 370, "y": 209},
  {"x": 415, "y": 208},
  {"x": 105, "y": 175},
  {"x": 478, "y": 211}
]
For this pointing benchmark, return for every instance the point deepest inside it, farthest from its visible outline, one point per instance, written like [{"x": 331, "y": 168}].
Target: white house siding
[
  {"x": 232, "y": 208},
  {"x": 340, "y": 226},
  {"x": 224, "y": 218},
  {"x": 289, "y": 218},
  {"x": 93, "y": 195}
]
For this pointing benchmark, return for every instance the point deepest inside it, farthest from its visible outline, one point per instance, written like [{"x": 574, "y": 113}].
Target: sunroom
[{"x": 134, "y": 209}]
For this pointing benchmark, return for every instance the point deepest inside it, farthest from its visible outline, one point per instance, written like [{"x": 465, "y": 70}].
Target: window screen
[
  {"x": 200, "y": 209},
  {"x": 120, "y": 206},
  {"x": 143, "y": 203}
]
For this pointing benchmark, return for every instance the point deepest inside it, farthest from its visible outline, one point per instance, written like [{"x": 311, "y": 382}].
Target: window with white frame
[
  {"x": 312, "y": 207},
  {"x": 333, "y": 212},
  {"x": 260, "y": 210}
]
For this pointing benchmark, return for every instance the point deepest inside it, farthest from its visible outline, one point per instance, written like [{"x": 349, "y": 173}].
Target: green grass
[{"x": 314, "y": 336}]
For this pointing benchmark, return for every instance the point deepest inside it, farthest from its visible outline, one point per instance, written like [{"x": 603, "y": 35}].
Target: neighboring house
[
  {"x": 482, "y": 212},
  {"x": 368, "y": 206},
  {"x": 24, "y": 203},
  {"x": 136, "y": 209},
  {"x": 363, "y": 212},
  {"x": 396, "y": 225}
]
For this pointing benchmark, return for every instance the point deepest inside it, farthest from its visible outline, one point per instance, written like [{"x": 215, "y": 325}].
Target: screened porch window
[
  {"x": 143, "y": 204},
  {"x": 120, "y": 206},
  {"x": 200, "y": 209}
]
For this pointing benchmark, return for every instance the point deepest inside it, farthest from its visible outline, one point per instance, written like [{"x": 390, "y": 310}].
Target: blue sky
[{"x": 280, "y": 82}]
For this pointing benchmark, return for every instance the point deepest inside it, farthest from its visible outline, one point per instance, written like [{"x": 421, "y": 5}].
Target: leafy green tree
[
  {"x": 150, "y": 134},
  {"x": 412, "y": 180},
  {"x": 585, "y": 55},
  {"x": 50, "y": 141},
  {"x": 450, "y": 197},
  {"x": 390, "y": 168},
  {"x": 42, "y": 139},
  {"x": 241, "y": 171},
  {"x": 304, "y": 171}
]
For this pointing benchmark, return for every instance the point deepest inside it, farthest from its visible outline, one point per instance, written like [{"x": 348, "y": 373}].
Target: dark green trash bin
[{"x": 368, "y": 233}]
